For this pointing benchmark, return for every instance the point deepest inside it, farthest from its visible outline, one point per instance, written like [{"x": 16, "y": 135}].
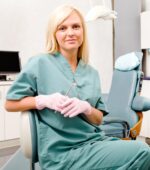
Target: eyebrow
[{"x": 75, "y": 23}]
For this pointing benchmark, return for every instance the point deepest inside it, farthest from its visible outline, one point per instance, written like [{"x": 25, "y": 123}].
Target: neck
[{"x": 71, "y": 57}]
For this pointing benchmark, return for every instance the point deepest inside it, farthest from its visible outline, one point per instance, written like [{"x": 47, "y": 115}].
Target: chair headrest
[{"x": 129, "y": 61}]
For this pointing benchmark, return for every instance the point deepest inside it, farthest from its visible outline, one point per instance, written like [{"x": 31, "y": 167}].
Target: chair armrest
[
  {"x": 135, "y": 130},
  {"x": 141, "y": 103},
  {"x": 110, "y": 120},
  {"x": 25, "y": 135}
]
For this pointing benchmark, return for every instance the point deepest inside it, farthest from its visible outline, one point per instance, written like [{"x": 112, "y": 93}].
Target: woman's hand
[
  {"x": 73, "y": 106},
  {"x": 69, "y": 107},
  {"x": 52, "y": 101}
]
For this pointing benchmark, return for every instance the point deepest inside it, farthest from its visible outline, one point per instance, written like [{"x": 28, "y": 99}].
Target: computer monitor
[{"x": 9, "y": 62}]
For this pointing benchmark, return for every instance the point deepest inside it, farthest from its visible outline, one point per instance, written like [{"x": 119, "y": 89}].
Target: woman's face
[{"x": 69, "y": 34}]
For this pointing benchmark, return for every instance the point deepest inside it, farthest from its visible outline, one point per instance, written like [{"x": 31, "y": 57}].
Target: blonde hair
[{"x": 56, "y": 18}]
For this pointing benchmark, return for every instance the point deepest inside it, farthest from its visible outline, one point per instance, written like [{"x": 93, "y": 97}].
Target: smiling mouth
[{"x": 70, "y": 40}]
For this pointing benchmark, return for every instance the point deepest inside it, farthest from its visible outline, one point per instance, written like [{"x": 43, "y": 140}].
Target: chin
[
  {"x": 73, "y": 45},
  {"x": 73, "y": 48}
]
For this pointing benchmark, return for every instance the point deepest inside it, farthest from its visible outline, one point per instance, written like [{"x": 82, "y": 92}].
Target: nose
[{"x": 70, "y": 31}]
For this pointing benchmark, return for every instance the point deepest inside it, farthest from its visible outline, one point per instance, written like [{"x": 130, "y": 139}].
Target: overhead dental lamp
[{"x": 100, "y": 11}]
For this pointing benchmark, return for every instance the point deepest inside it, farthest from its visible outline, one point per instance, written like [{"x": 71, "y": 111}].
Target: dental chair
[
  {"x": 124, "y": 104},
  {"x": 28, "y": 137}
]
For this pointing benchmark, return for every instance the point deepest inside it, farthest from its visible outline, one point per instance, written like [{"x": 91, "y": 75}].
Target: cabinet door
[
  {"x": 12, "y": 122},
  {"x": 145, "y": 131},
  {"x": 1, "y": 113}
]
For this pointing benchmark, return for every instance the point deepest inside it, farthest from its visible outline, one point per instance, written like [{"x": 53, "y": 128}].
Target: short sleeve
[
  {"x": 25, "y": 84},
  {"x": 100, "y": 105}
]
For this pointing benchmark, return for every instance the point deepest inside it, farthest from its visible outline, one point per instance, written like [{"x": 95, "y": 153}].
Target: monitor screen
[{"x": 9, "y": 62}]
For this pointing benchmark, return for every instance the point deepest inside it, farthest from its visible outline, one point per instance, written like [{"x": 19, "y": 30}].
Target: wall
[
  {"x": 23, "y": 27},
  {"x": 127, "y": 26},
  {"x": 10, "y": 25},
  {"x": 145, "y": 5}
]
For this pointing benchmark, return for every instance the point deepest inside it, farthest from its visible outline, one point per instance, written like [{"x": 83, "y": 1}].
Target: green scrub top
[{"x": 58, "y": 135}]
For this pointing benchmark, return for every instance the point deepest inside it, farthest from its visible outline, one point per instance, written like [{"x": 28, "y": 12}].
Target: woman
[{"x": 64, "y": 92}]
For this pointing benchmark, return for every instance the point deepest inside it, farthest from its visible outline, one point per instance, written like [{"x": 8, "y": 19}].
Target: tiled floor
[{"x": 5, "y": 154}]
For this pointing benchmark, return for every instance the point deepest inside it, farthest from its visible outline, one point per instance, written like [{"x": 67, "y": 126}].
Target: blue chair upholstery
[
  {"x": 122, "y": 92},
  {"x": 124, "y": 104}
]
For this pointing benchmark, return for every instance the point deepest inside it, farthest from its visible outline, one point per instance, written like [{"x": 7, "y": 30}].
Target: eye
[
  {"x": 76, "y": 26},
  {"x": 62, "y": 28}
]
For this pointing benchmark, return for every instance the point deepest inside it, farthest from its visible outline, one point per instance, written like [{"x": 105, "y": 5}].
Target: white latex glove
[
  {"x": 52, "y": 101},
  {"x": 73, "y": 106}
]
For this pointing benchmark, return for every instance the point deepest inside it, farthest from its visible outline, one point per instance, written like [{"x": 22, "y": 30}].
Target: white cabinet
[
  {"x": 1, "y": 115},
  {"x": 145, "y": 131},
  {"x": 9, "y": 121},
  {"x": 145, "y": 27}
]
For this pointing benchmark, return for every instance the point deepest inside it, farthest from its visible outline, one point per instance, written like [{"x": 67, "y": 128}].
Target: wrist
[
  {"x": 39, "y": 102},
  {"x": 88, "y": 110}
]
